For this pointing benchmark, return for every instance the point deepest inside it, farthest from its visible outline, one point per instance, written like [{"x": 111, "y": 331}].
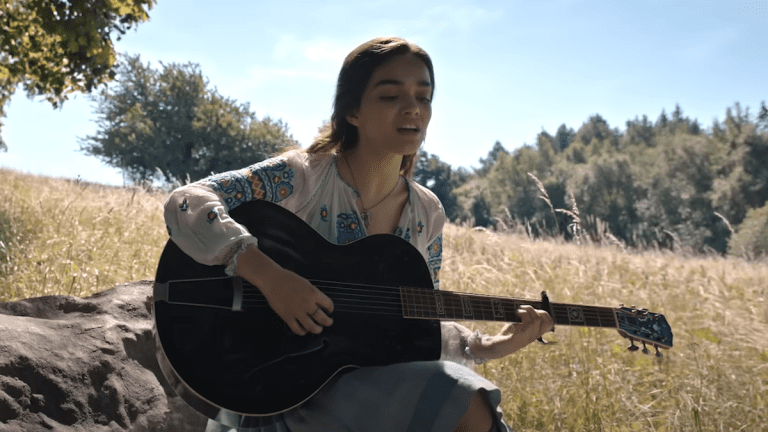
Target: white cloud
[
  {"x": 316, "y": 60},
  {"x": 288, "y": 47},
  {"x": 259, "y": 75},
  {"x": 458, "y": 16},
  {"x": 326, "y": 50}
]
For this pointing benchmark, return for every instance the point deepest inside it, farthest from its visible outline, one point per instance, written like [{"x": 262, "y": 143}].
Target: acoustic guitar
[{"x": 232, "y": 358}]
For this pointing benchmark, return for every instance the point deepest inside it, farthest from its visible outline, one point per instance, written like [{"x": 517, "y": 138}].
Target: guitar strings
[
  {"x": 590, "y": 319},
  {"x": 389, "y": 301},
  {"x": 368, "y": 298}
]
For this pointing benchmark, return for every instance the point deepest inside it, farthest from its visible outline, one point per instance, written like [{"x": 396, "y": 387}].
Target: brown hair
[{"x": 338, "y": 135}]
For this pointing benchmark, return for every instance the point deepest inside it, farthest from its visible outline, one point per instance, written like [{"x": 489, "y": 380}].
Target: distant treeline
[{"x": 667, "y": 183}]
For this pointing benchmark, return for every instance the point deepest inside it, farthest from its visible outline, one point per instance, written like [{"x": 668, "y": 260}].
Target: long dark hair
[{"x": 338, "y": 135}]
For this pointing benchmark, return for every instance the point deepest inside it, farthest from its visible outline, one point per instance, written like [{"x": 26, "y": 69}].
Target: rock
[{"x": 72, "y": 364}]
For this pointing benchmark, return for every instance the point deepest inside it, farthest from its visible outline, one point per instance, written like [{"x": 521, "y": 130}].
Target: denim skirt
[{"x": 429, "y": 396}]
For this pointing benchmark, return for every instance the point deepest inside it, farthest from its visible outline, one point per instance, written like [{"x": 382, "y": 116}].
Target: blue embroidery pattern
[
  {"x": 434, "y": 262},
  {"x": 420, "y": 228},
  {"x": 271, "y": 180},
  {"x": 212, "y": 216},
  {"x": 232, "y": 187},
  {"x": 406, "y": 236},
  {"x": 324, "y": 213},
  {"x": 347, "y": 228}
]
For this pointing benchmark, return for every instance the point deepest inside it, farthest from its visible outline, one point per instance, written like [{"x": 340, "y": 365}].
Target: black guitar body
[{"x": 246, "y": 364}]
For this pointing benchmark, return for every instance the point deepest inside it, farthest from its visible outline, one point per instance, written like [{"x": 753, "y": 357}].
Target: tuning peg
[
  {"x": 658, "y": 353},
  {"x": 645, "y": 349},
  {"x": 632, "y": 347}
]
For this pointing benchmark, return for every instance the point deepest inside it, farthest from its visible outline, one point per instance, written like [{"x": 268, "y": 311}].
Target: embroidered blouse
[{"x": 310, "y": 186}]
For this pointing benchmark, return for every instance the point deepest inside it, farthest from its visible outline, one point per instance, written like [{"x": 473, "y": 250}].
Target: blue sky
[{"x": 503, "y": 70}]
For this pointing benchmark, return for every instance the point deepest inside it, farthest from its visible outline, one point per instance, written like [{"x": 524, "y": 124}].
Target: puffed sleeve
[{"x": 197, "y": 215}]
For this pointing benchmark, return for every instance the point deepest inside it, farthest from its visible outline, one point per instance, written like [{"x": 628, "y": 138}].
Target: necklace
[{"x": 365, "y": 214}]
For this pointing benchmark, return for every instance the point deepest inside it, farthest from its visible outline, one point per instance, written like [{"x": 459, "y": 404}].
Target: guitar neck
[{"x": 456, "y": 306}]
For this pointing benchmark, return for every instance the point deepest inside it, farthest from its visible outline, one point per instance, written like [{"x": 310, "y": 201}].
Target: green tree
[
  {"x": 171, "y": 120},
  {"x": 680, "y": 124},
  {"x": 762, "y": 117},
  {"x": 695, "y": 128},
  {"x": 576, "y": 153},
  {"x": 481, "y": 212},
  {"x": 437, "y": 176},
  {"x": 488, "y": 162},
  {"x": 639, "y": 132},
  {"x": 54, "y": 48},
  {"x": 735, "y": 123},
  {"x": 742, "y": 181},
  {"x": 596, "y": 128},
  {"x": 662, "y": 121},
  {"x": 545, "y": 143},
  {"x": 563, "y": 137},
  {"x": 509, "y": 185},
  {"x": 607, "y": 189},
  {"x": 460, "y": 177},
  {"x": 751, "y": 238},
  {"x": 675, "y": 193},
  {"x": 658, "y": 182},
  {"x": 677, "y": 114}
]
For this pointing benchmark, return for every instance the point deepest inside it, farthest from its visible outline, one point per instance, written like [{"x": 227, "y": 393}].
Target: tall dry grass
[
  {"x": 62, "y": 237},
  {"x": 69, "y": 237},
  {"x": 715, "y": 377}
]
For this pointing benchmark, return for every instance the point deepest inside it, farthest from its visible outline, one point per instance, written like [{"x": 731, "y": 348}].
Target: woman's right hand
[
  {"x": 295, "y": 300},
  {"x": 299, "y": 303}
]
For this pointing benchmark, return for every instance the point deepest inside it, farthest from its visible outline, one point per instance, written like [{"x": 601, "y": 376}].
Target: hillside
[{"x": 65, "y": 237}]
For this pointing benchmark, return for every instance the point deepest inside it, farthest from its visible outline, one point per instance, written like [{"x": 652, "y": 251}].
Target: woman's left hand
[{"x": 513, "y": 336}]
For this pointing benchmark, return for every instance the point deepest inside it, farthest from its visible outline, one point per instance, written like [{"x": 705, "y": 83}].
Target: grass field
[{"x": 68, "y": 237}]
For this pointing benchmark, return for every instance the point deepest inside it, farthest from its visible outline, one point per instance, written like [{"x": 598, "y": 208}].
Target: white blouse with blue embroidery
[{"x": 310, "y": 186}]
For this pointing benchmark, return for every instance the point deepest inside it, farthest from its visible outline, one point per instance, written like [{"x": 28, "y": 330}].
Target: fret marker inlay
[
  {"x": 498, "y": 309},
  {"x": 439, "y": 301},
  {"x": 466, "y": 305},
  {"x": 575, "y": 315}
]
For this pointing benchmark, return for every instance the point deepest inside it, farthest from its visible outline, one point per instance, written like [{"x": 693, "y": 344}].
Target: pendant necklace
[{"x": 365, "y": 214}]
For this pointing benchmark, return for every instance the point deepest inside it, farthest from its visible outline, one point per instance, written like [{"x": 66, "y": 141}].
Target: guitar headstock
[{"x": 644, "y": 326}]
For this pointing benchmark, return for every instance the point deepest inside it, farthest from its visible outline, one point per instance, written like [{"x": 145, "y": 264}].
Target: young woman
[{"x": 353, "y": 181}]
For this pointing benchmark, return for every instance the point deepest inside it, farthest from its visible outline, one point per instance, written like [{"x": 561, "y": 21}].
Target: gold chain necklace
[{"x": 365, "y": 214}]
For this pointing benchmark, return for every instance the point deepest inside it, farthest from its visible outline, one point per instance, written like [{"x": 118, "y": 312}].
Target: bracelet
[{"x": 475, "y": 337}]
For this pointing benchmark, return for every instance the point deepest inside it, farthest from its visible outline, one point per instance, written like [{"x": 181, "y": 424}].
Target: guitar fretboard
[{"x": 454, "y": 306}]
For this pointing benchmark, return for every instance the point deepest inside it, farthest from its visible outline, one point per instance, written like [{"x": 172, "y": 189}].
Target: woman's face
[{"x": 396, "y": 107}]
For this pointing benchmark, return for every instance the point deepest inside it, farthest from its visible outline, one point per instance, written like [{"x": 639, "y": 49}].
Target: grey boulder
[{"x": 86, "y": 364}]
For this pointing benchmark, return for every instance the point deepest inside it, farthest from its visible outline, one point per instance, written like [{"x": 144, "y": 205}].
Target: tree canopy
[
  {"x": 54, "y": 48},
  {"x": 655, "y": 184},
  {"x": 438, "y": 177},
  {"x": 493, "y": 156},
  {"x": 667, "y": 183},
  {"x": 169, "y": 124}
]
